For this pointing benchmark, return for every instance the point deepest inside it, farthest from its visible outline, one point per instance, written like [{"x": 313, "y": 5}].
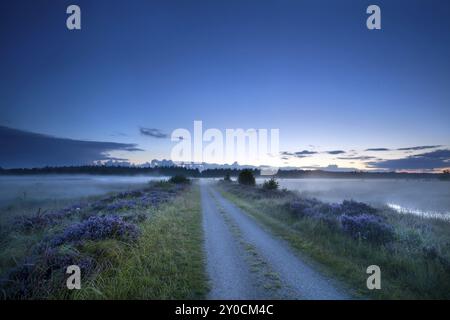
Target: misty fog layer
[
  {"x": 422, "y": 197},
  {"x": 55, "y": 187}
]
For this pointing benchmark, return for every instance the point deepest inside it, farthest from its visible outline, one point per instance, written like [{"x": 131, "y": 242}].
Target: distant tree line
[
  {"x": 214, "y": 173},
  {"x": 445, "y": 175},
  {"x": 105, "y": 170}
]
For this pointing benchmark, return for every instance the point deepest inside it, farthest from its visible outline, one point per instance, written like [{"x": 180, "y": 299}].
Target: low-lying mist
[
  {"x": 64, "y": 187},
  {"x": 422, "y": 197}
]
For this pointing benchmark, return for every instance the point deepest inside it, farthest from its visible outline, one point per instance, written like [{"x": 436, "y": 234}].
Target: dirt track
[{"x": 244, "y": 261}]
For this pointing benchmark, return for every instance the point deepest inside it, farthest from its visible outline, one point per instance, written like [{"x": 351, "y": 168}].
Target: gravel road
[{"x": 244, "y": 261}]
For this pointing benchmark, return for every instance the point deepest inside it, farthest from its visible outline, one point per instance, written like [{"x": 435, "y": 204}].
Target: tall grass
[
  {"x": 166, "y": 262},
  {"x": 413, "y": 266}
]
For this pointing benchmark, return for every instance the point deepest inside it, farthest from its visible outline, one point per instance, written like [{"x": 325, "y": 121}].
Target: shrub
[
  {"x": 37, "y": 221},
  {"x": 304, "y": 206},
  {"x": 246, "y": 178},
  {"x": 227, "y": 177},
  {"x": 37, "y": 275},
  {"x": 122, "y": 204},
  {"x": 43, "y": 219},
  {"x": 178, "y": 179},
  {"x": 367, "y": 227},
  {"x": 98, "y": 228},
  {"x": 271, "y": 184},
  {"x": 353, "y": 208}
]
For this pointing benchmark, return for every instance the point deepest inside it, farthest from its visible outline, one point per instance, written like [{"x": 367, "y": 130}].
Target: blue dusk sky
[{"x": 340, "y": 94}]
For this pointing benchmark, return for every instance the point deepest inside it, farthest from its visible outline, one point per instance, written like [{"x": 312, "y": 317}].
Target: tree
[
  {"x": 227, "y": 177},
  {"x": 445, "y": 175},
  {"x": 246, "y": 178},
  {"x": 271, "y": 184},
  {"x": 177, "y": 179}
]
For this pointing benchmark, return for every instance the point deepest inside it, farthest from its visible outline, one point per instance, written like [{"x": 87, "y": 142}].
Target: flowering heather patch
[
  {"x": 98, "y": 228},
  {"x": 155, "y": 197},
  {"x": 313, "y": 207},
  {"x": 356, "y": 219},
  {"x": 98, "y": 205},
  {"x": 147, "y": 199},
  {"x": 114, "y": 217},
  {"x": 119, "y": 196},
  {"x": 36, "y": 221},
  {"x": 304, "y": 207},
  {"x": 352, "y": 208},
  {"x": 129, "y": 194},
  {"x": 39, "y": 273},
  {"x": 122, "y": 204},
  {"x": 42, "y": 219},
  {"x": 367, "y": 227}
]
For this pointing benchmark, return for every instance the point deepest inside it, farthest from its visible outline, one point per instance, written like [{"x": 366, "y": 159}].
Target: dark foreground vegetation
[
  {"x": 142, "y": 244},
  {"x": 413, "y": 253},
  {"x": 246, "y": 177},
  {"x": 216, "y": 173}
]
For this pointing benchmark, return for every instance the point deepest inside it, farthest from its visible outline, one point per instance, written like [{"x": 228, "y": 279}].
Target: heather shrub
[
  {"x": 98, "y": 205},
  {"x": 37, "y": 221},
  {"x": 122, "y": 204},
  {"x": 129, "y": 194},
  {"x": 40, "y": 274},
  {"x": 353, "y": 208},
  {"x": 155, "y": 197},
  {"x": 246, "y": 178},
  {"x": 98, "y": 228},
  {"x": 302, "y": 207},
  {"x": 270, "y": 184},
  {"x": 42, "y": 219},
  {"x": 179, "y": 179},
  {"x": 367, "y": 227},
  {"x": 311, "y": 207}
]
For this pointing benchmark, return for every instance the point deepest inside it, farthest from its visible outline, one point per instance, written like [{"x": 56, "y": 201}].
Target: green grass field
[
  {"x": 414, "y": 266},
  {"x": 166, "y": 263}
]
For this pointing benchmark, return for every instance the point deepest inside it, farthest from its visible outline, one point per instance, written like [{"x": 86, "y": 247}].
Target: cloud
[
  {"x": 331, "y": 168},
  {"x": 299, "y": 154},
  {"x": 357, "y": 158},
  {"x": 24, "y": 149},
  {"x": 335, "y": 152},
  {"x": 419, "y": 148},
  {"x": 430, "y": 160},
  {"x": 154, "y": 133},
  {"x": 305, "y": 153},
  {"x": 377, "y": 149}
]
